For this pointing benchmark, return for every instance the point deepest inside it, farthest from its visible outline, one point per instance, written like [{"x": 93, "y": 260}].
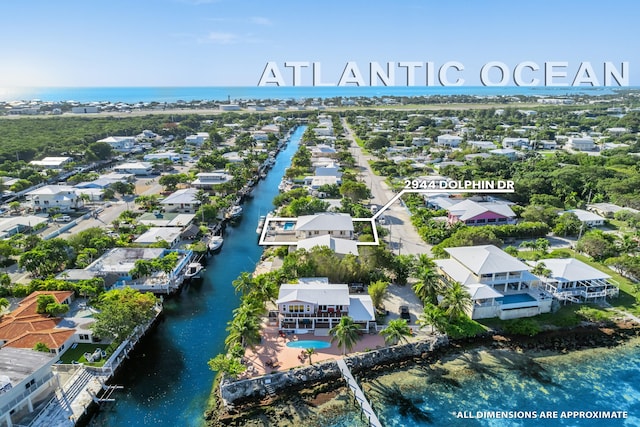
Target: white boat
[
  {"x": 261, "y": 222},
  {"x": 234, "y": 212},
  {"x": 215, "y": 243},
  {"x": 193, "y": 271}
]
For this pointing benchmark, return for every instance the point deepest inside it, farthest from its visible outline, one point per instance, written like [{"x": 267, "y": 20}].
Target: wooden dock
[{"x": 365, "y": 406}]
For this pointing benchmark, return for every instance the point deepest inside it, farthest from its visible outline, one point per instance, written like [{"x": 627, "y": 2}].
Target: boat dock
[{"x": 365, "y": 406}]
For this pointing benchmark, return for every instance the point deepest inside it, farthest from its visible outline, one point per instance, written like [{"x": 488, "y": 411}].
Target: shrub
[
  {"x": 527, "y": 327},
  {"x": 463, "y": 327},
  {"x": 593, "y": 314}
]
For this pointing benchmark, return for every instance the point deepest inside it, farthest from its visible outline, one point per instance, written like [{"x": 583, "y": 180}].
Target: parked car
[
  {"x": 404, "y": 313},
  {"x": 63, "y": 218},
  {"x": 356, "y": 287}
]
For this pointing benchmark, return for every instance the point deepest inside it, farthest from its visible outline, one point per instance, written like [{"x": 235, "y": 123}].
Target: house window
[
  {"x": 296, "y": 308},
  {"x": 491, "y": 220},
  {"x": 84, "y": 336}
]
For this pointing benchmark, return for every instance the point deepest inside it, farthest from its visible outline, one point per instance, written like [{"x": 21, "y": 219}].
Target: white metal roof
[
  {"x": 572, "y": 270},
  {"x": 317, "y": 293},
  {"x": 486, "y": 259},
  {"x": 324, "y": 221}
]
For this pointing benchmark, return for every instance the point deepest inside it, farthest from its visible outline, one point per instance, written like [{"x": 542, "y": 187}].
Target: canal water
[{"x": 167, "y": 381}]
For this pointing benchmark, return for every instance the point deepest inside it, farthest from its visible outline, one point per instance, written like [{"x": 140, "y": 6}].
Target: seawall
[{"x": 232, "y": 392}]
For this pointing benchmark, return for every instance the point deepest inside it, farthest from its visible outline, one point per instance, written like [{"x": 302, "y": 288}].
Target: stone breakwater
[{"x": 234, "y": 392}]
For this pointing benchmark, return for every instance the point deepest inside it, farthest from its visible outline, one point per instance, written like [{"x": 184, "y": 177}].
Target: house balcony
[{"x": 316, "y": 315}]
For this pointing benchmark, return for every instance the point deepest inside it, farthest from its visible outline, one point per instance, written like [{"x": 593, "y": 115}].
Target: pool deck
[{"x": 274, "y": 348}]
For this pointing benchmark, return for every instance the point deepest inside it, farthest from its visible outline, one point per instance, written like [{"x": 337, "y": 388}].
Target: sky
[{"x": 229, "y": 42}]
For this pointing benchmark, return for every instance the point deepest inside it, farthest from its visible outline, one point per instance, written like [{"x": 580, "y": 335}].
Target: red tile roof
[{"x": 23, "y": 327}]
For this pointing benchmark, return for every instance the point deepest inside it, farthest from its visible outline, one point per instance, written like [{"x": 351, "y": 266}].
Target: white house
[
  {"x": 208, "y": 180},
  {"x": 26, "y": 378},
  {"x": 482, "y": 145},
  {"x": 163, "y": 155},
  {"x": 51, "y": 162},
  {"x": 510, "y": 142},
  {"x": 197, "y": 139},
  {"x": 183, "y": 201},
  {"x": 501, "y": 283},
  {"x": 171, "y": 235},
  {"x": 315, "y": 304},
  {"x": 63, "y": 197},
  {"x": 584, "y": 143},
  {"x": 121, "y": 144},
  {"x": 589, "y": 219},
  {"x": 509, "y": 153},
  {"x": 335, "y": 224},
  {"x": 572, "y": 280},
  {"x": 338, "y": 246},
  {"x": 116, "y": 264},
  {"x": 135, "y": 168},
  {"x": 447, "y": 140},
  {"x": 420, "y": 141}
]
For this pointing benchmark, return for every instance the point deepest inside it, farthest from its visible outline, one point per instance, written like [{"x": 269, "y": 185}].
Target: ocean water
[
  {"x": 475, "y": 384},
  {"x": 174, "y": 94}
]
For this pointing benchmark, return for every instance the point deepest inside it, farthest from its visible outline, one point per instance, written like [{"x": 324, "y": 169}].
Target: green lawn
[{"x": 78, "y": 352}]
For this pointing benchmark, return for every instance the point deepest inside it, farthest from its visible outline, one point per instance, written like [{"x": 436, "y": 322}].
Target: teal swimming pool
[
  {"x": 511, "y": 299},
  {"x": 309, "y": 344},
  {"x": 288, "y": 226}
]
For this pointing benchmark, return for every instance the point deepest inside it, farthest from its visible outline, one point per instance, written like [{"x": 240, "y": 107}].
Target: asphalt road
[{"x": 403, "y": 237}]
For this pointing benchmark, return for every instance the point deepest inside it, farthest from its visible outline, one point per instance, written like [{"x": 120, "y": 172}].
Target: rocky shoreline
[{"x": 299, "y": 404}]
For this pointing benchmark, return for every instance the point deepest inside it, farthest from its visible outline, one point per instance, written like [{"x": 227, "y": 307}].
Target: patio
[{"x": 272, "y": 354}]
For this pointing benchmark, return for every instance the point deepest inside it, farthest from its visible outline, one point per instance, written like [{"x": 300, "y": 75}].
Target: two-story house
[
  {"x": 63, "y": 197},
  {"x": 500, "y": 285},
  {"x": 338, "y": 225},
  {"x": 314, "y": 304}
]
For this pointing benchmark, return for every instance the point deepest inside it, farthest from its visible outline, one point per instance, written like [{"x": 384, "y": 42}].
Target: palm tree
[
  {"x": 346, "y": 333},
  {"x": 244, "y": 283},
  {"x": 243, "y": 329},
  {"x": 396, "y": 331},
  {"x": 4, "y": 303},
  {"x": 310, "y": 352},
  {"x": 456, "y": 300},
  {"x": 541, "y": 270},
  {"x": 427, "y": 286},
  {"x": 432, "y": 316},
  {"x": 424, "y": 261}
]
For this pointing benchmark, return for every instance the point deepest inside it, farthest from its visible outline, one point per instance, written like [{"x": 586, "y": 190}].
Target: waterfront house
[
  {"x": 63, "y": 197},
  {"x": 335, "y": 224},
  {"x": 572, "y": 280},
  {"x": 135, "y": 168},
  {"x": 116, "y": 264},
  {"x": 507, "y": 291},
  {"x": 323, "y": 150},
  {"x": 479, "y": 213},
  {"x": 26, "y": 378},
  {"x": 589, "y": 219},
  {"x": 209, "y": 180},
  {"x": 314, "y": 304},
  {"x": 183, "y": 201},
  {"x": 171, "y": 235}
]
